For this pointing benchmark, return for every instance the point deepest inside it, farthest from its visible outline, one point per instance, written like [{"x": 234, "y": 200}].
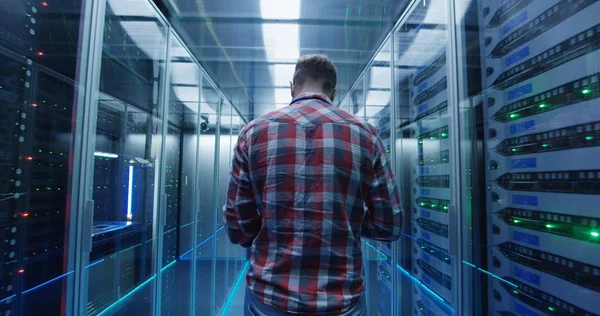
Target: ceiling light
[
  {"x": 283, "y": 74},
  {"x": 282, "y": 41},
  {"x": 280, "y": 9}
]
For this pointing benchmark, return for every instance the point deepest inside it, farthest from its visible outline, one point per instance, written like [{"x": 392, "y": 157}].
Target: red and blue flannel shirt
[{"x": 307, "y": 182}]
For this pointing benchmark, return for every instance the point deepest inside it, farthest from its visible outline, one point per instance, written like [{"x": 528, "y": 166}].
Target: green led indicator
[
  {"x": 422, "y": 204},
  {"x": 445, "y": 207},
  {"x": 514, "y": 115},
  {"x": 551, "y": 308},
  {"x": 446, "y": 258},
  {"x": 545, "y": 145},
  {"x": 514, "y": 149},
  {"x": 444, "y": 134},
  {"x": 586, "y": 91},
  {"x": 432, "y": 138},
  {"x": 516, "y": 292},
  {"x": 595, "y": 234},
  {"x": 543, "y": 106},
  {"x": 433, "y": 205},
  {"x": 549, "y": 226},
  {"x": 420, "y": 142},
  {"x": 516, "y": 221},
  {"x": 589, "y": 137}
]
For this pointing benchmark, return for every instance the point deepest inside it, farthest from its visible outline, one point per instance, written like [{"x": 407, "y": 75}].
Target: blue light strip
[
  {"x": 168, "y": 265},
  {"x": 94, "y": 264},
  {"x": 45, "y": 283},
  {"x": 119, "y": 301},
  {"x": 497, "y": 277},
  {"x": 8, "y": 298},
  {"x": 130, "y": 193},
  {"x": 490, "y": 274},
  {"x": 378, "y": 251},
  {"x": 200, "y": 244},
  {"x": 235, "y": 288},
  {"x": 469, "y": 264},
  {"x": 425, "y": 288}
]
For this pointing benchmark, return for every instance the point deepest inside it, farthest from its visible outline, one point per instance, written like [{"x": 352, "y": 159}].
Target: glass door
[
  {"x": 122, "y": 267},
  {"x": 380, "y": 268},
  {"x": 180, "y": 181},
  {"x": 426, "y": 282}
]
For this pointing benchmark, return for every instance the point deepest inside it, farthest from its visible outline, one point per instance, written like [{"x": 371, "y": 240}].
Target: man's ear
[
  {"x": 334, "y": 94},
  {"x": 292, "y": 90}
]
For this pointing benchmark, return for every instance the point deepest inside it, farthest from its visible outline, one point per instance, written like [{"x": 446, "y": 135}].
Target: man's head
[{"x": 314, "y": 73}]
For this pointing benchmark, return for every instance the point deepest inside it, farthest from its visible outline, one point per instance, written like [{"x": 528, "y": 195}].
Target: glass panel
[
  {"x": 206, "y": 212},
  {"x": 425, "y": 283},
  {"x": 180, "y": 175},
  {"x": 531, "y": 133},
  {"x": 128, "y": 144},
  {"x": 38, "y": 61},
  {"x": 357, "y": 99},
  {"x": 224, "y": 282},
  {"x": 379, "y": 255},
  {"x": 237, "y": 254}
]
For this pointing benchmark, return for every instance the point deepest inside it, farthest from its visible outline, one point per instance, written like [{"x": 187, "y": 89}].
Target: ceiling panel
[{"x": 251, "y": 52}]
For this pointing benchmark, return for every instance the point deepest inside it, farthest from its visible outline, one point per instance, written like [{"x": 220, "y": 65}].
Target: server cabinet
[{"x": 540, "y": 70}]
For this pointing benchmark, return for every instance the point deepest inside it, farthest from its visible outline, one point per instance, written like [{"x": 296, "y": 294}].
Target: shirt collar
[{"x": 312, "y": 95}]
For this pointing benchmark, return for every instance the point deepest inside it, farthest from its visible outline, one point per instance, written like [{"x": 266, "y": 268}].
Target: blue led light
[
  {"x": 235, "y": 288},
  {"x": 122, "y": 299},
  {"x": 130, "y": 193}
]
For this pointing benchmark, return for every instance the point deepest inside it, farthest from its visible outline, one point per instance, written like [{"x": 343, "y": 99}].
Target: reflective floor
[{"x": 118, "y": 118}]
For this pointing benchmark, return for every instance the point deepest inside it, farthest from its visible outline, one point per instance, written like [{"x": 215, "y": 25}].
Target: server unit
[{"x": 540, "y": 77}]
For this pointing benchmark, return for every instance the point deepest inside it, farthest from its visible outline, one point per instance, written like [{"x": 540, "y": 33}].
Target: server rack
[{"x": 541, "y": 94}]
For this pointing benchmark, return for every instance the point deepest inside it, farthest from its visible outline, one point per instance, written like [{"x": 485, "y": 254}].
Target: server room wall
[{"x": 488, "y": 108}]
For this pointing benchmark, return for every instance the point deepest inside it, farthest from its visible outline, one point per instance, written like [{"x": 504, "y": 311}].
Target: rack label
[
  {"x": 425, "y": 192},
  {"x": 519, "y": 55},
  {"x": 523, "y": 163},
  {"x": 527, "y": 276},
  {"x": 530, "y": 200},
  {"x": 425, "y": 170},
  {"x": 520, "y": 91},
  {"x": 512, "y": 24},
  {"x": 523, "y": 311},
  {"x": 522, "y": 127},
  {"x": 425, "y": 214},
  {"x": 423, "y": 86},
  {"x": 422, "y": 108},
  {"x": 526, "y": 238}
]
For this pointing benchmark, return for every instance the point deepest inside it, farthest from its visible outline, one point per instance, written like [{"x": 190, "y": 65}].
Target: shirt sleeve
[
  {"x": 384, "y": 215},
  {"x": 240, "y": 214}
]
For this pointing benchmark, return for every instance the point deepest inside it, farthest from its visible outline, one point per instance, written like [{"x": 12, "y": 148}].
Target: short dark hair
[{"x": 318, "y": 68}]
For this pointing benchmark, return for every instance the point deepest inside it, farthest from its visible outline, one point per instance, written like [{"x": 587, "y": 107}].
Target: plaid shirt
[{"x": 307, "y": 182}]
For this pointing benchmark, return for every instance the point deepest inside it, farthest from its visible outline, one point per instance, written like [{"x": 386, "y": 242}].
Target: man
[{"x": 307, "y": 182}]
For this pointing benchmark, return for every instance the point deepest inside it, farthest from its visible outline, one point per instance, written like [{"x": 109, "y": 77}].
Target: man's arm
[
  {"x": 383, "y": 220},
  {"x": 240, "y": 213}
]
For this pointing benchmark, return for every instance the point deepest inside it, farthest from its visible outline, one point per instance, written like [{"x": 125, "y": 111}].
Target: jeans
[{"x": 254, "y": 307}]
